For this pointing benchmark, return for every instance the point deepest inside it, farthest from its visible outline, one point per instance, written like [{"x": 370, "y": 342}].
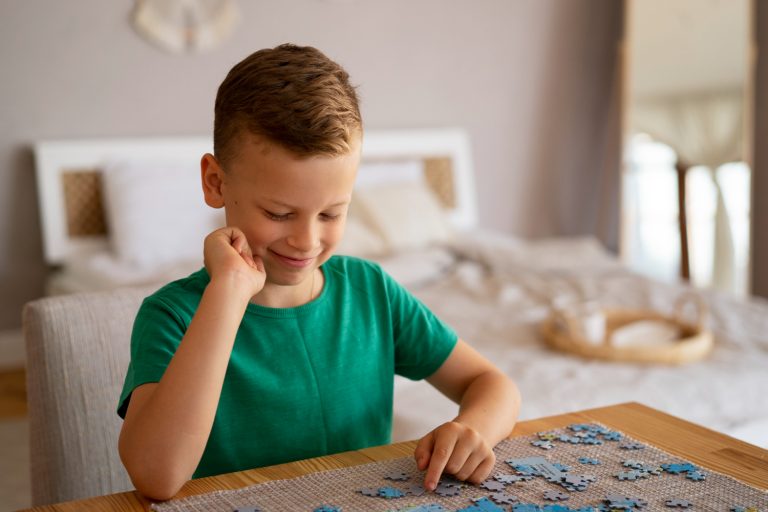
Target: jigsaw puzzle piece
[
  {"x": 482, "y": 505},
  {"x": 676, "y": 503}
]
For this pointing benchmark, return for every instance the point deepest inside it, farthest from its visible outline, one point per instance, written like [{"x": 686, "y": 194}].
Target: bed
[{"x": 129, "y": 212}]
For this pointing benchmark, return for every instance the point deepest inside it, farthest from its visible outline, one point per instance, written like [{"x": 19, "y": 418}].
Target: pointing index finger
[{"x": 441, "y": 452}]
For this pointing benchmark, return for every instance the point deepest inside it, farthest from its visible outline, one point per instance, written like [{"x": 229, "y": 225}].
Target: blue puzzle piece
[
  {"x": 525, "y": 507},
  {"x": 482, "y": 505},
  {"x": 327, "y": 508},
  {"x": 678, "y": 468},
  {"x": 492, "y": 485},
  {"x": 503, "y": 498},
  {"x": 617, "y": 501},
  {"x": 587, "y": 460},
  {"x": 431, "y": 507}
]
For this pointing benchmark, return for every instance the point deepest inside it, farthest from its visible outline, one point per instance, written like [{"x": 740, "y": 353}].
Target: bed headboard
[{"x": 69, "y": 174}]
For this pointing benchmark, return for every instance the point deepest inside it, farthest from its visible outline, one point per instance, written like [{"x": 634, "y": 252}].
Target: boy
[{"x": 276, "y": 350}]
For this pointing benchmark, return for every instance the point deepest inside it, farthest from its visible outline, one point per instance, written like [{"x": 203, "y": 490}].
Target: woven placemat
[{"x": 340, "y": 488}]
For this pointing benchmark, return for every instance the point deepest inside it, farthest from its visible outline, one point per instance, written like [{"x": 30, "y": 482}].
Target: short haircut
[{"x": 291, "y": 95}]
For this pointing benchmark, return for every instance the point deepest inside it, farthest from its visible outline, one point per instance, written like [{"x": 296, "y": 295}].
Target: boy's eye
[
  {"x": 330, "y": 216},
  {"x": 276, "y": 216}
]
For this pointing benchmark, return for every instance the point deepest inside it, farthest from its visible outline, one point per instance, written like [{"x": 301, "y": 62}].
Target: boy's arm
[
  {"x": 488, "y": 406},
  {"x": 167, "y": 424}
]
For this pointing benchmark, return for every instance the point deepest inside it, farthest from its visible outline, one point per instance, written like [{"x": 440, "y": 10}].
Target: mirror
[{"x": 686, "y": 171}]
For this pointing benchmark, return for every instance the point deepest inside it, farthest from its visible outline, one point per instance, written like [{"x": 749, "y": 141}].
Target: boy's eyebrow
[{"x": 280, "y": 203}]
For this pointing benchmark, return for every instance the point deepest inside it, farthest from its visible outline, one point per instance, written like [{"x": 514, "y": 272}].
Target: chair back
[{"x": 78, "y": 349}]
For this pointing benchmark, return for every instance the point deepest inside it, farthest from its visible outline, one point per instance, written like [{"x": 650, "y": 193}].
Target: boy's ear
[{"x": 213, "y": 178}]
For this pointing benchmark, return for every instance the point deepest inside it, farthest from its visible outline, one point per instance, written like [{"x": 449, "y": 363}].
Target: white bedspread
[{"x": 497, "y": 292}]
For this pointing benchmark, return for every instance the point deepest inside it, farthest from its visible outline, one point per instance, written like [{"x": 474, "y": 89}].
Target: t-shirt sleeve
[
  {"x": 157, "y": 332},
  {"x": 422, "y": 341}
]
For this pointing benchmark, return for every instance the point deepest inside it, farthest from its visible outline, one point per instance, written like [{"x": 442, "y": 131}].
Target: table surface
[{"x": 699, "y": 445}]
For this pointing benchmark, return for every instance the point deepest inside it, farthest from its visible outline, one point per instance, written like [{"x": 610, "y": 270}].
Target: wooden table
[{"x": 700, "y": 445}]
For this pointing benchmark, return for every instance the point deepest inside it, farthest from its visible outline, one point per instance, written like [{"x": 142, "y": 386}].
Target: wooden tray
[{"x": 695, "y": 343}]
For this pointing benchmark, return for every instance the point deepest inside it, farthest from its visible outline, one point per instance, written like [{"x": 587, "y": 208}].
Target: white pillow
[
  {"x": 155, "y": 211},
  {"x": 407, "y": 215}
]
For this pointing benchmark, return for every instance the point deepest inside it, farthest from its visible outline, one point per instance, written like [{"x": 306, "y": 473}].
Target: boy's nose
[{"x": 304, "y": 237}]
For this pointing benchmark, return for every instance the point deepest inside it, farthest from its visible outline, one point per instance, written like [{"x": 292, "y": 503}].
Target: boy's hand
[
  {"x": 456, "y": 449},
  {"x": 228, "y": 255}
]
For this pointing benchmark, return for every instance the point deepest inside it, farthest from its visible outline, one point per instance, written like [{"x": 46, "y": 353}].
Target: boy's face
[{"x": 292, "y": 210}]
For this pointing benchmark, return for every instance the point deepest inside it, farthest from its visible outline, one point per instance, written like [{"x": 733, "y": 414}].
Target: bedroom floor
[{"x": 14, "y": 427}]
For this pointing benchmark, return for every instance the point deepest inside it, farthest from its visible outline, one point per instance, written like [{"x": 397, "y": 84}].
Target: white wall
[{"x": 529, "y": 78}]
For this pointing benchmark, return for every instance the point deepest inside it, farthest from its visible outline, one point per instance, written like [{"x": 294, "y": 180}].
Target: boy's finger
[
  {"x": 469, "y": 466},
  {"x": 483, "y": 470},
  {"x": 423, "y": 450},
  {"x": 439, "y": 458},
  {"x": 258, "y": 263},
  {"x": 459, "y": 459}
]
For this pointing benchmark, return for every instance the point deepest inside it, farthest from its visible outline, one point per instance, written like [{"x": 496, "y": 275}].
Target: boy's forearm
[
  {"x": 165, "y": 439},
  {"x": 490, "y": 405}
]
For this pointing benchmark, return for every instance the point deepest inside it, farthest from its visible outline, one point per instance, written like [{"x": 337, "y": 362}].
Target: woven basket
[{"x": 695, "y": 343}]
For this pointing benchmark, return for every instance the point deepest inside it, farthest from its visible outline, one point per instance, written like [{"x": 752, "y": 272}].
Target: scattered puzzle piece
[
  {"x": 555, "y": 496},
  {"x": 631, "y": 475},
  {"x": 677, "y": 468},
  {"x": 503, "y": 498},
  {"x": 447, "y": 490},
  {"x": 547, "y": 436},
  {"x": 248, "y": 509},
  {"x": 327, "y": 508},
  {"x": 415, "y": 490},
  {"x": 619, "y": 502},
  {"x": 431, "y": 507},
  {"x": 390, "y": 493},
  {"x": 544, "y": 445},
  {"x": 382, "y": 492},
  {"x": 587, "y": 460},
  {"x": 631, "y": 446},
  {"x": 482, "y": 505},
  {"x": 740, "y": 508},
  {"x": 696, "y": 476},
  {"x": 492, "y": 485},
  {"x": 511, "y": 479},
  {"x": 678, "y": 503},
  {"x": 397, "y": 475}
]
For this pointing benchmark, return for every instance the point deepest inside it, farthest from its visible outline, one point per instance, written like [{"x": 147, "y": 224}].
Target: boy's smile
[{"x": 292, "y": 210}]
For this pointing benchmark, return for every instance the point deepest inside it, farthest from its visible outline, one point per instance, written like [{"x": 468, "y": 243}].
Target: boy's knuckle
[{"x": 453, "y": 468}]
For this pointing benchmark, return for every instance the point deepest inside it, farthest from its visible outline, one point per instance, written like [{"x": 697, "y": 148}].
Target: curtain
[{"x": 704, "y": 129}]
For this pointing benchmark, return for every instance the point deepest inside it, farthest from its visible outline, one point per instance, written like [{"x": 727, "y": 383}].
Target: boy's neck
[{"x": 278, "y": 296}]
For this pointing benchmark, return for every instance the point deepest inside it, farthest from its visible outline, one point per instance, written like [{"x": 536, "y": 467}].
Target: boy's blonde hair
[{"x": 292, "y": 95}]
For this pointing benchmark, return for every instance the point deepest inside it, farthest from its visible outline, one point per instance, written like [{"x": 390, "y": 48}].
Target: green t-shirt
[{"x": 301, "y": 382}]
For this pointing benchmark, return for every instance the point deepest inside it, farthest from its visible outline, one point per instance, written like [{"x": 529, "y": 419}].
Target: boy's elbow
[
  {"x": 155, "y": 485},
  {"x": 154, "y": 481}
]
